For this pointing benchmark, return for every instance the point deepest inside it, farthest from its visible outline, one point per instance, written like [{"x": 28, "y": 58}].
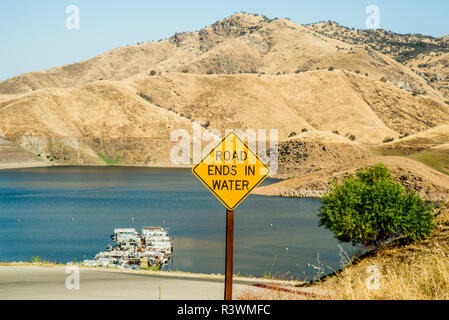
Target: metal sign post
[
  {"x": 231, "y": 171},
  {"x": 229, "y": 254}
]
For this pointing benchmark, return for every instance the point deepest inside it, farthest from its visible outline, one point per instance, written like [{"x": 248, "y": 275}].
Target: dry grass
[
  {"x": 407, "y": 272},
  {"x": 251, "y": 294},
  {"x": 419, "y": 275}
]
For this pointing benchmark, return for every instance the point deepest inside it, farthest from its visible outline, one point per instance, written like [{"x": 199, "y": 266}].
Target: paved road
[{"x": 35, "y": 282}]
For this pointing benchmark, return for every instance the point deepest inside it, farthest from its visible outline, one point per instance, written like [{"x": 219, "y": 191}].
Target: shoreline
[
  {"x": 25, "y": 165},
  {"x": 7, "y": 166}
]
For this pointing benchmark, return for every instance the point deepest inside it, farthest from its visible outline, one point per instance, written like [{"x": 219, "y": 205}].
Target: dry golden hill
[
  {"x": 400, "y": 47},
  {"x": 242, "y": 43},
  {"x": 92, "y": 124},
  {"x": 430, "y": 147},
  {"x": 429, "y": 183},
  {"x": 316, "y": 136},
  {"x": 129, "y": 122},
  {"x": 324, "y": 100},
  {"x": 14, "y": 157},
  {"x": 436, "y": 138},
  {"x": 314, "y": 151},
  {"x": 426, "y": 56},
  {"x": 434, "y": 68}
]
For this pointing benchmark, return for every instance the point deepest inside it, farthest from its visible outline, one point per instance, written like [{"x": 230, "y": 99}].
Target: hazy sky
[{"x": 34, "y": 35}]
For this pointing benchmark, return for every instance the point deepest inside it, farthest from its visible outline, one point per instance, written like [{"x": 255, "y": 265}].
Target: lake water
[{"x": 103, "y": 198}]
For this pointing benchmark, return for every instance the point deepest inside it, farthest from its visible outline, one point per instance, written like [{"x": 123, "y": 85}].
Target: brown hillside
[
  {"x": 327, "y": 101},
  {"x": 315, "y": 151},
  {"x": 241, "y": 43},
  {"x": 430, "y": 184},
  {"x": 435, "y": 138},
  {"x": 14, "y": 157},
  {"x": 435, "y": 69},
  {"x": 430, "y": 147},
  {"x": 426, "y": 56},
  {"x": 91, "y": 124},
  {"x": 401, "y": 47},
  {"x": 131, "y": 120}
]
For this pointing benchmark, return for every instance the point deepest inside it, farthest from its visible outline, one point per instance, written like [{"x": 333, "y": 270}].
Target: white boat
[{"x": 151, "y": 249}]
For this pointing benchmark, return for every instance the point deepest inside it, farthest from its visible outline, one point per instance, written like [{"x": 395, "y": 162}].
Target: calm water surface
[{"x": 101, "y": 199}]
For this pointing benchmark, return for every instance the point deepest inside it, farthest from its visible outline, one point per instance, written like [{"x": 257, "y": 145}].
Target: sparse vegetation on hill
[
  {"x": 426, "y": 56},
  {"x": 401, "y": 47}
]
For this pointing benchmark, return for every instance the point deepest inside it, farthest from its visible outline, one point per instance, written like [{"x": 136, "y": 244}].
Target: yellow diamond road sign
[{"x": 231, "y": 171}]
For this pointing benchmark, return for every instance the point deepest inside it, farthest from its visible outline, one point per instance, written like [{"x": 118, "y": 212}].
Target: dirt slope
[
  {"x": 434, "y": 68},
  {"x": 322, "y": 100},
  {"x": 313, "y": 151},
  {"x": 14, "y": 157},
  {"x": 430, "y": 184},
  {"x": 113, "y": 118},
  {"x": 91, "y": 124}
]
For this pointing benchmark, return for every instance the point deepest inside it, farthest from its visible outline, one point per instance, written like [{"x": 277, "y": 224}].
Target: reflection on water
[{"x": 274, "y": 235}]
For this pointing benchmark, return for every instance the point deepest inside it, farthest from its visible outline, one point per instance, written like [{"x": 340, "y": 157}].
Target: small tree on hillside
[{"x": 370, "y": 208}]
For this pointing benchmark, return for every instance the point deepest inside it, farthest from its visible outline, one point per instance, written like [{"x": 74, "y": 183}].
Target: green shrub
[
  {"x": 292, "y": 134},
  {"x": 36, "y": 259},
  {"x": 153, "y": 73},
  {"x": 330, "y": 69},
  {"x": 304, "y": 130},
  {"x": 206, "y": 124},
  {"x": 388, "y": 139},
  {"x": 108, "y": 160},
  {"x": 352, "y": 137},
  {"x": 370, "y": 208}
]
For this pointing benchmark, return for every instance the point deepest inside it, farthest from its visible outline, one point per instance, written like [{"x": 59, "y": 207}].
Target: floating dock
[{"x": 151, "y": 249}]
